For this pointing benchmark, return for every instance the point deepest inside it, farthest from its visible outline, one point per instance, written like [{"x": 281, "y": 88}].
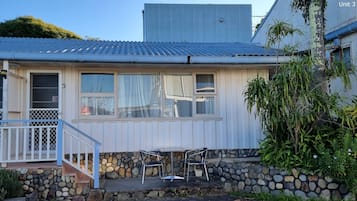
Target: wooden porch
[{"x": 42, "y": 143}]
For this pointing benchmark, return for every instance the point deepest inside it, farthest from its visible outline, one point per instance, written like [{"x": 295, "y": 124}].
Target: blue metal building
[{"x": 197, "y": 23}]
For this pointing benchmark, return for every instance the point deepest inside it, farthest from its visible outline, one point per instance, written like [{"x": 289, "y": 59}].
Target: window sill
[{"x": 162, "y": 119}]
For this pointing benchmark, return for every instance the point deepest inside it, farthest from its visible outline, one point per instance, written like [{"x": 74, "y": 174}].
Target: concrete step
[
  {"x": 81, "y": 178},
  {"x": 16, "y": 199}
]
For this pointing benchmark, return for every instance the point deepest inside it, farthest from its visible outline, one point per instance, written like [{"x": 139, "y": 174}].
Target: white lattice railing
[
  {"x": 49, "y": 140},
  {"x": 43, "y": 113}
]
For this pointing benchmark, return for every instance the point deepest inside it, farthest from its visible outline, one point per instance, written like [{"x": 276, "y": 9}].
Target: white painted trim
[
  {"x": 5, "y": 92},
  {"x": 28, "y": 90}
]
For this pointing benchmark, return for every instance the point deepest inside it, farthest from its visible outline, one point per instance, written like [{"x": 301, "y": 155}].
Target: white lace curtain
[{"x": 139, "y": 95}]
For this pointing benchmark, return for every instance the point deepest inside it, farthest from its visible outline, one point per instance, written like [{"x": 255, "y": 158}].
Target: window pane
[
  {"x": 178, "y": 91},
  {"x": 204, "y": 83},
  {"x": 97, "y": 106},
  {"x": 44, "y": 91},
  {"x": 139, "y": 95},
  {"x": 1, "y": 89},
  {"x": 97, "y": 83},
  {"x": 205, "y": 105},
  {"x": 347, "y": 57}
]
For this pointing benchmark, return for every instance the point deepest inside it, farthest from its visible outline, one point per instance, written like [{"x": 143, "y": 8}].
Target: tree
[
  {"x": 313, "y": 12},
  {"x": 278, "y": 31},
  {"x": 28, "y": 26}
]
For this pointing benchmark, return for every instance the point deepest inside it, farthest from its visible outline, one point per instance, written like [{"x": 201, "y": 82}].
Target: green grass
[{"x": 270, "y": 197}]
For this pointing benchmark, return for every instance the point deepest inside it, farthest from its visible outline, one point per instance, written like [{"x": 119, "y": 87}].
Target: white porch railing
[
  {"x": 49, "y": 140},
  {"x": 80, "y": 151}
]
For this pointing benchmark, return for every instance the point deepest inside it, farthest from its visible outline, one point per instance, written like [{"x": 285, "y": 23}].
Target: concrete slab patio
[{"x": 155, "y": 188}]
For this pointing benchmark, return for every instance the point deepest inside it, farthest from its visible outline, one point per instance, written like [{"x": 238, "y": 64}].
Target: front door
[{"x": 44, "y": 105}]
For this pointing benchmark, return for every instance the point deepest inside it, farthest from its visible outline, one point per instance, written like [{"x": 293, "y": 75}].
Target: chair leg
[
  {"x": 205, "y": 167},
  {"x": 184, "y": 168},
  {"x": 143, "y": 177},
  {"x": 188, "y": 172}
]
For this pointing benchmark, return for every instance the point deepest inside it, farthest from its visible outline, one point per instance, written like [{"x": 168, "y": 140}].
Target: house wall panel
[
  {"x": 15, "y": 93},
  {"x": 198, "y": 134},
  {"x": 233, "y": 127},
  {"x": 187, "y": 134}
]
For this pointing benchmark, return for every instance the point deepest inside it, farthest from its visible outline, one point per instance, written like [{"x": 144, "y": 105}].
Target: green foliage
[
  {"x": 270, "y": 197},
  {"x": 28, "y": 26},
  {"x": 304, "y": 6},
  {"x": 3, "y": 193},
  {"x": 338, "y": 158},
  {"x": 291, "y": 108},
  {"x": 302, "y": 121},
  {"x": 280, "y": 30},
  {"x": 10, "y": 184}
]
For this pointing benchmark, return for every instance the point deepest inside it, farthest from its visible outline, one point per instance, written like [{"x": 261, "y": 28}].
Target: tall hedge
[{"x": 28, "y": 26}]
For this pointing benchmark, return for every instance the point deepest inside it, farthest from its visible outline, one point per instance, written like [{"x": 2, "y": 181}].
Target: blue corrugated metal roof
[{"x": 87, "y": 50}]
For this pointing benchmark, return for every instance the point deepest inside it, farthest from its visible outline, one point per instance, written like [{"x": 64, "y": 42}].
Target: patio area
[{"x": 154, "y": 187}]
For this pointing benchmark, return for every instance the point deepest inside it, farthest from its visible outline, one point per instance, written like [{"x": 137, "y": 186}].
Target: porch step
[
  {"x": 31, "y": 165},
  {"x": 81, "y": 179}
]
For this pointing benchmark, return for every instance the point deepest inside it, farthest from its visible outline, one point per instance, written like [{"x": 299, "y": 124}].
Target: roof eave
[{"x": 94, "y": 58}]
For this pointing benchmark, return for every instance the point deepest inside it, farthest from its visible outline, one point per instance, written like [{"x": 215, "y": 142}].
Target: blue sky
[{"x": 105, "y": 19}]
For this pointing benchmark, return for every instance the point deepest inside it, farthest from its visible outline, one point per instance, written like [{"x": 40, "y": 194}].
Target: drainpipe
[{"x": 5, "y": 68}]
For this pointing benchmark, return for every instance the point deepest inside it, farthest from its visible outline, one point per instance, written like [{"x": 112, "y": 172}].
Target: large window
[
  {"x": 97, "y": 94},
  {"x": 147, "y": 95}
]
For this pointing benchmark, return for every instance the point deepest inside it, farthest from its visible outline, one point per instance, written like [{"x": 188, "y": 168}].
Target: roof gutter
[
  {"x": 240, "y": 60},
  {"x": 93, "y": 58},
  {"x": 145, "y": 59},
  {"x": 343, "y": 31}
]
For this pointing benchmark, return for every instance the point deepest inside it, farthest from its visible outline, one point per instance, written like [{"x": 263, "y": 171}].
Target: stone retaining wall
[
  {"x": 232, "y": 175},
  {"x": 128, "y": 165},
  {"x": 48, "y": 184},
  {"x": 254, "y": 177}
]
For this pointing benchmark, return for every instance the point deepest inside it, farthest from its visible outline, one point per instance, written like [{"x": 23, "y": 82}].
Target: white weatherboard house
[{"x": 62, "y": 98}]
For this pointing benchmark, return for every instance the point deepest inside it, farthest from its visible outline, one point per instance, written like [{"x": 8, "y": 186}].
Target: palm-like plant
[{"x": 313, "y": 12}]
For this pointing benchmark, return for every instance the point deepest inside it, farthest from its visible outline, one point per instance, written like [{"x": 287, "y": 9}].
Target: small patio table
[{"x": 172, "y": 150}]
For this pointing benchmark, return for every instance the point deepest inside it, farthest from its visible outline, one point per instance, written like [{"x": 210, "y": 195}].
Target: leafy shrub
[
  {"x": 2, "y": 194},
  {"x": 339, "y": 158},
  {"x": 305, "y": 126},
  {"x": 9, "y": 181}
]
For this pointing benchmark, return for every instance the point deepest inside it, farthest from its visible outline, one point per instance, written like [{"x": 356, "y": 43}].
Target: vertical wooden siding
[{"x": 233, "y": 128}]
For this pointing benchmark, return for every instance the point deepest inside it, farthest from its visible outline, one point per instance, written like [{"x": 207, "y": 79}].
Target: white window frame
[
  {"x": 204, "y": 94},
  {"x": 96, "y": 95},
  {"x": 161, "y": 74}
]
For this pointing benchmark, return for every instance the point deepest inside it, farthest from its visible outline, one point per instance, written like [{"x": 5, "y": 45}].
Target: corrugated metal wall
[{"x": 197, "y": 23}]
